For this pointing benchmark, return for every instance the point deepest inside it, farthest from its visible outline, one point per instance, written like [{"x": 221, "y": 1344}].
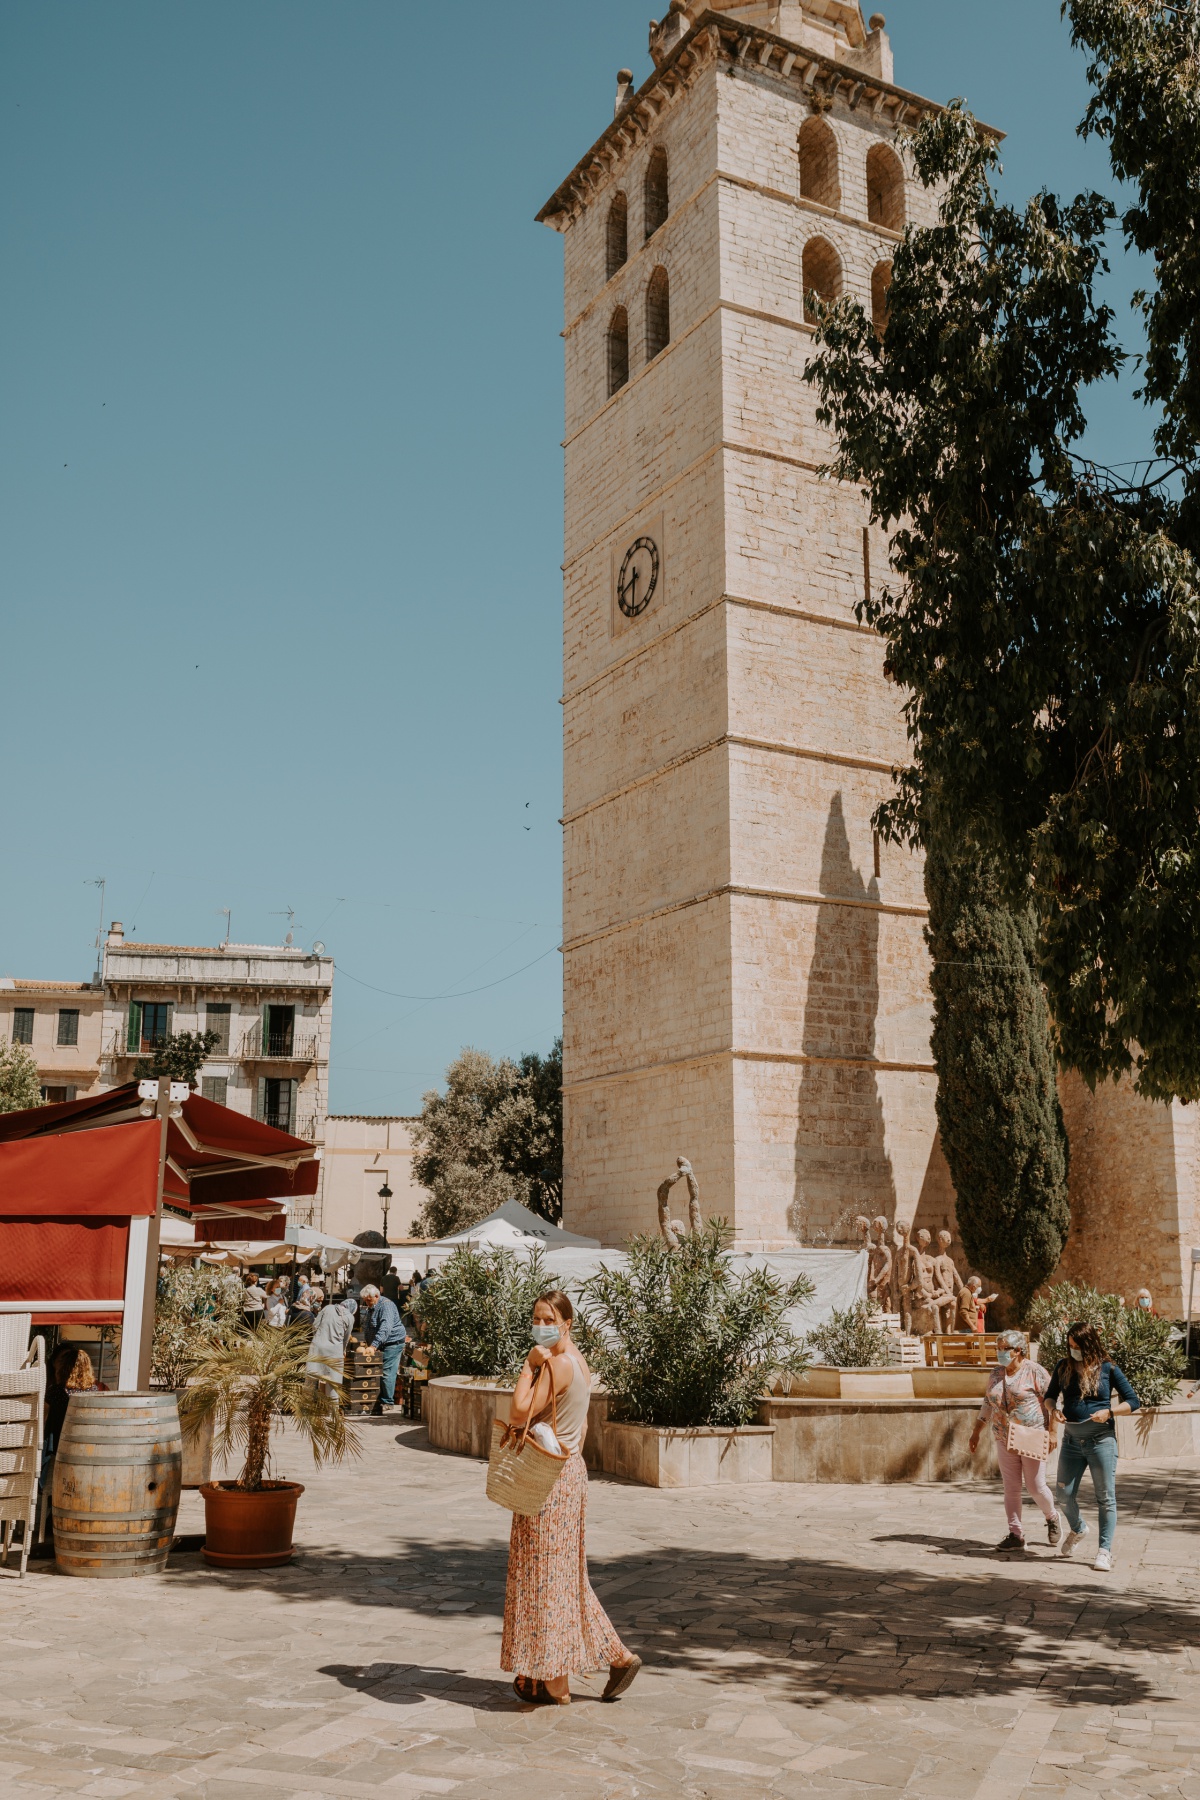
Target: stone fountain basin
[{"x": 824, "y": 1383}]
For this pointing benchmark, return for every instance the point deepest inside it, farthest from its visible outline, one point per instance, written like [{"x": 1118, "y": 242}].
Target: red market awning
[
  {"x": 72, "y": 1176},
  {"x": 85, "y": 1156}
]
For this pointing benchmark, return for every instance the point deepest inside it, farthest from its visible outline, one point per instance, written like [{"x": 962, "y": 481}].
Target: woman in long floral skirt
[{"x": 553, "y": 1623}]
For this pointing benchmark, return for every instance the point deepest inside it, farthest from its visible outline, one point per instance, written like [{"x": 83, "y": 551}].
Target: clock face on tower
[{"x": 638, "y": 577}]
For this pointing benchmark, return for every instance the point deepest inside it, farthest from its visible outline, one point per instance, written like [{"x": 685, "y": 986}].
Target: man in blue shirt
[{"x": 383, "y": 1328}]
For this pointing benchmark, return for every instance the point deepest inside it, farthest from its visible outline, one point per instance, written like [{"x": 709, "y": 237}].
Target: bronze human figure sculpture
[
  {"x": 905, "y": 1274},
  {"x": 879, "y": 1266},
  {"x": 949, "y": 1282},
  {"x": 674, "y": 1230}
]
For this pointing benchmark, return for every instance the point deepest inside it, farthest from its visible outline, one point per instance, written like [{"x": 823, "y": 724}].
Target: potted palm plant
[{"x": 244, "y": 1386}]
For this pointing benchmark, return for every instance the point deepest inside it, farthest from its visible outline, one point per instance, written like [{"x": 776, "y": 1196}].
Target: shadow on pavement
[{"x": 819, "y": 1628}]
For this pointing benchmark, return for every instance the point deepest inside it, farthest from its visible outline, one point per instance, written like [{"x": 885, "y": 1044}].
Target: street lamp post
[{"x": 385, "y": 1194}]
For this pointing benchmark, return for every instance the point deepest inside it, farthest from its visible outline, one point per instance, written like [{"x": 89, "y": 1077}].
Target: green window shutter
[
  {"x": 133, "y": 1036},
  {"x": 262, "y": 1098},
  {"x": 291, "y": 1107},
  {"x": 170, "y": 1017}
]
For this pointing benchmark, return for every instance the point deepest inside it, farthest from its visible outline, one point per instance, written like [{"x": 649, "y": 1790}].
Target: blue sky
[{"x": 280, "y": 410}]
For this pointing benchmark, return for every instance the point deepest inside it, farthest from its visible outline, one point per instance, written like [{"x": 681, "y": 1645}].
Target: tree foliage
[
  {"x": 528, "y": 1132},
  {"x": 495, "y": 1134},
  {"x": 195, "y": 1310},
  {"x": 997, "y": 1100},
  {"x": 1045, "y": 617},
  {"x": 679, "y": 1339},
  {"x": 20, "y": 1085},
  {"x": 179, "y": 1056},
  {"x": 476, "y": 1312}
]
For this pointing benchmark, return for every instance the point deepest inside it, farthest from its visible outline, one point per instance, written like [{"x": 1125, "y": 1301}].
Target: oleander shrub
[
  {"x": 848, "y": 1340},
  {"x": 1144, "y": 1346},
  {"x": 476, "y": 1312},
  {"x": 680, "y": 1339}
]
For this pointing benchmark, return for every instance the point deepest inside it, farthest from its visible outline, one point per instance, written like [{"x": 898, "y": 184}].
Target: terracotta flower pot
[{"x": 249, "y": 1529}]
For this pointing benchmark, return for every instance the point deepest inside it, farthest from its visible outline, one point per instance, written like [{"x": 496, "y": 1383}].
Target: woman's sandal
[
  {"x": 620, "y": 1676},
  {"x": 526, "y": 1688}
]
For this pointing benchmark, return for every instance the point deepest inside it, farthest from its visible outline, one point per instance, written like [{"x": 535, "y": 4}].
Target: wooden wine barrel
[{"x": 116, "y": 1485}]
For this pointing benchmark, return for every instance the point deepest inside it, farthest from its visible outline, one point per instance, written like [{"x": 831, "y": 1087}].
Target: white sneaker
[
  {"x": 1103, "y": 1560},
  {"x": 1072, "y": 1538}
]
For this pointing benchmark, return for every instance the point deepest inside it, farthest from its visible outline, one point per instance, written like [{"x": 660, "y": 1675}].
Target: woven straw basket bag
[{"x": 520, "y": 1473}]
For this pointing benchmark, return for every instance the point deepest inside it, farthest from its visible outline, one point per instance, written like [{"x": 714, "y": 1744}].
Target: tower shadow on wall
[{"x": 842, "y": 1164}]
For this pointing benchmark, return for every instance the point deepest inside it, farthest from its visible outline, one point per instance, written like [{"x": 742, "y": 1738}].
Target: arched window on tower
[
  {"x": 885, "y": 187},
  {"x": 819, "y": 178},
  {"x": 617, "y": 243},
  {"x": 655, "y": 192},
  {"x": 618, "y": 350},
  {"x": 821, "y": 273},
  {"x": 881, "y": 281},
  {"x": 658, "y": 313}
]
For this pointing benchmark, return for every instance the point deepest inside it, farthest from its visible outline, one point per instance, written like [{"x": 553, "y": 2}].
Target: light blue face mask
[
  {"x": 546, "y": 1335},
  {"x": 1004, "y": 1357}
]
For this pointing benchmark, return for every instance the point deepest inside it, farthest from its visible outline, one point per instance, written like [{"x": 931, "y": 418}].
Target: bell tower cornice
[{"x": 740, "y": 44}]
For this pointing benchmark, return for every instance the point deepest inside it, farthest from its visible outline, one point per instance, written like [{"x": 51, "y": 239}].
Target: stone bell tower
[{"x": 744, "y": 969}]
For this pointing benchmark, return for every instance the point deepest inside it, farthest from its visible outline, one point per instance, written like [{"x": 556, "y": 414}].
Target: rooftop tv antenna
[
  {"x": 100, "y": 882},
  {"x": 291, "y": 918},
  {"x": 226, "y": 913}
]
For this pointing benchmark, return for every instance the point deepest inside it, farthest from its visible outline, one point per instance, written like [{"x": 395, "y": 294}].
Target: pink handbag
[{"x": 1025, "y": 1440}]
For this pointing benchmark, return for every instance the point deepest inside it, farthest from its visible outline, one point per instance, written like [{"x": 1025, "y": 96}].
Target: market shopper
[
  {"x": 275, "y": 1304},
  {"x": 254, "y": 1303},
  {"x": 383, "y": 1328},
  {"x": 1092, "y": 1391},
  {"x": 1017, "y": 1393},
  {"x": 326, "y": 1364},
  {"x": 553, "y": 1622}
]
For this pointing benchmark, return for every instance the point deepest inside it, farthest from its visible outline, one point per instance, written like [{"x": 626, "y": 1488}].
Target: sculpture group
[{"x": 902, "y": 1277}]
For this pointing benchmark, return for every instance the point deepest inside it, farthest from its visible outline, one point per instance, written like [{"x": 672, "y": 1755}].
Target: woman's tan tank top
[{"x": 573, "y": 1406}]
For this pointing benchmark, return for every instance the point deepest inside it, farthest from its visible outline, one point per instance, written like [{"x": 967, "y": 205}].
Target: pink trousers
[{"x": 1013, "y": 1468}]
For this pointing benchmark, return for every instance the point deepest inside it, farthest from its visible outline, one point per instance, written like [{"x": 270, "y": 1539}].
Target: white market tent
[
  {"x": 511, "y": 1227},
  {"x": 839, "y": 1277}
]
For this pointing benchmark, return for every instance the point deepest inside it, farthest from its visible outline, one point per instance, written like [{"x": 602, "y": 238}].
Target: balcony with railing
[{"x": 283, "y": 1045}]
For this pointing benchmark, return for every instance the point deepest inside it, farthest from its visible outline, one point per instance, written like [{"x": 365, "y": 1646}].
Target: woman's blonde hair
[{"x": 83, "y": 1375}]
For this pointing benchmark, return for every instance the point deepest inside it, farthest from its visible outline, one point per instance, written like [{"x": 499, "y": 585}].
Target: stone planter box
[
  {"x": 459, "y": 1410},
  {"x": 704, "y": 1456},
  {"x": 1159, "y": 1431},
  {"x": 879, "y": 1440},
  {"x": 824, "y": 1383}
]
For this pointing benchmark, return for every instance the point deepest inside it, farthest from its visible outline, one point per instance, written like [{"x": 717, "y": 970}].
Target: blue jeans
[
  {"x": 1091, "y": 1447},
  {"x": 389, "y": 1356}
]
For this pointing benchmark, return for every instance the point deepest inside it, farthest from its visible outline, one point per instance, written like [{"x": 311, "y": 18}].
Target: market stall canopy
[
  {"x": 100, "y": 1156},
  {"x": 513, "y": 1227},
  {"x": 76, "y": 1177},
  {"x": 299, "y": 1242}
]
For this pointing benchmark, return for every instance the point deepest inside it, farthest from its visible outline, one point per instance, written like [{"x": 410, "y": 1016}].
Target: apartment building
[
  {"x": 270, "y": 1006},
  {"x": 61, "y": 1024}
]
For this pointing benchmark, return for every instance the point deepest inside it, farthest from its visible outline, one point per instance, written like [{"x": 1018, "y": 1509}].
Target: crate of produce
[{"x": 363, "y": 1379}]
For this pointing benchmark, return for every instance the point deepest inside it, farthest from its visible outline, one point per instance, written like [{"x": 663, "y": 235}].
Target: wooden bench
[{"x": 965, "y": 1349}]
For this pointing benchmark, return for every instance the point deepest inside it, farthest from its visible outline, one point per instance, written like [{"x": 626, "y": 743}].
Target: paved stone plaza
[{"x": 799, "y": 1640}]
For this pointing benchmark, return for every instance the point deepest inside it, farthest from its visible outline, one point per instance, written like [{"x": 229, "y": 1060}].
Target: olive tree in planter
[
  {"x": 195, "y": 1310},
  {"x": 244, "y": 1386},
  {"x": 682, "y": 1340}
]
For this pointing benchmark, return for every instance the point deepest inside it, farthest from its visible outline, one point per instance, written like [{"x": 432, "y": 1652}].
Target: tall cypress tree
[{"x": 997, "y": 1103}]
